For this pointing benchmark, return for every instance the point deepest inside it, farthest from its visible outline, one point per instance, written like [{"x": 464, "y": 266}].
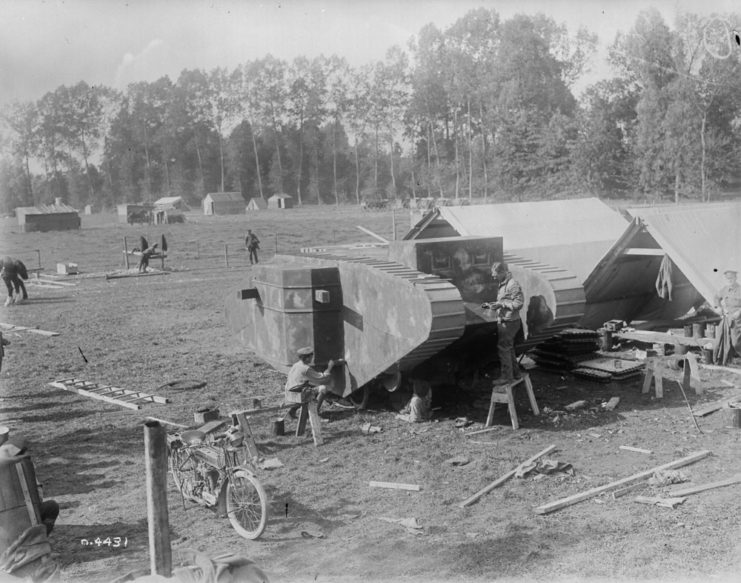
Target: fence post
[
  {"x": 198, "y": 250},
  {"x": 38, "y": 256},
  {"x": 276, "y": 243},
  {"x": 126, "y": 254},
  {"x": 393, "y": 223},
  {"x": 226, "y": 254},
  {"x": 155, "y": 451}
]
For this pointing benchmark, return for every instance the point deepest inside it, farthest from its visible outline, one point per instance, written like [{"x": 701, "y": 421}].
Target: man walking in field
[
  {"x": 510, "y": 300},
  {"x": 13, "y": 272},
  {"x": 253, "y": 244}
]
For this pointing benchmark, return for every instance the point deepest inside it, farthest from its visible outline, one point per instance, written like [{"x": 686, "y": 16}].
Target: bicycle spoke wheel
[
  {"x": 182, "y": 466},
  {"x": 246, "y": 504}
]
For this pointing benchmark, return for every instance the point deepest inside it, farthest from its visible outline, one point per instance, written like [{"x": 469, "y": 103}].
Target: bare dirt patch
[{"x": 144, "y": 333}]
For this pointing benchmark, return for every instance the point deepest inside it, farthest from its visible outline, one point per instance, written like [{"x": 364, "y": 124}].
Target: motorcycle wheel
[{"x": 246, "y": 504}]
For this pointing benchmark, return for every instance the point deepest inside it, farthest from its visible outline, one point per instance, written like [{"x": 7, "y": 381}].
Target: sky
[{"x": 48, "y": 43}]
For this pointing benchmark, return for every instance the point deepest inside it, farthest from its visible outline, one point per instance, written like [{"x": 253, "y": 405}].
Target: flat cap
[{"x": 305, "y": 351}]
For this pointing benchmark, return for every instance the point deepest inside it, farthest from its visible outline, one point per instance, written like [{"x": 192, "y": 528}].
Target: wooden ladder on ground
[{"x": 114, "y": 395}]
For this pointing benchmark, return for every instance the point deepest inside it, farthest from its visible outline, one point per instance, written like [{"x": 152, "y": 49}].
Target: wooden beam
[
  {"x": 123, "y": 275},
  {"x": 564, "y": 502},
  {"x": 505, "y": 477},
  {"x": 709, "y": 486},
  {"x": 372, "y": 234},
  {"x": 395, "y": 486},
  {"x": 635, "y": 449}
]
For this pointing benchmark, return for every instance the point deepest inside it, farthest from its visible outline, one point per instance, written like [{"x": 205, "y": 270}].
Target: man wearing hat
[
  {"x": 302, "y": 375},
  {"x": 728, "y": 303},
  {"x": 510, "y": 300}
]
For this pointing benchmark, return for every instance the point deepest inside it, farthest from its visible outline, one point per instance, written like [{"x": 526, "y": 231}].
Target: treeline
[{"x": 482, "y": 109}]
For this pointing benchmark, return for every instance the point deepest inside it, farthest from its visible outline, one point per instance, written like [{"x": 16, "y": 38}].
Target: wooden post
[
  {"x": 226, "y": 254},
  {"x": 155, "y": 451},
  {"x": 198, "y": 250},
  {"x": 38, "y": 257},
  {"x": 276, "y": 242},
  {"x": 126, "y": 254},
  {"x": 393, "y": 223}
]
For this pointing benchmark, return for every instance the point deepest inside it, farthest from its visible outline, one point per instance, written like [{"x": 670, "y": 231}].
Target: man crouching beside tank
[
  {"x": 304, "y": 381},
  {"x": 510, "y": 300}
]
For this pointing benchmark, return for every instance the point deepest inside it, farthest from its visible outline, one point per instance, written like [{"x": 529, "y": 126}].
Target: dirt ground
[{"x": 141, "y": 333}]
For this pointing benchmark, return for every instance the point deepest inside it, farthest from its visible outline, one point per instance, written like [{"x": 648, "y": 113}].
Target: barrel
[
  {"x": 698, "y": 330},
  {"x": 19, "y": 499}
]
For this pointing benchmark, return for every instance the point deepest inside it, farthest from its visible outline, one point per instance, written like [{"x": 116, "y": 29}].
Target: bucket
[
  {"x": 688, "y": 331},
  {"x": 19, "y": 499},
  {"x": 278, "y": 427},
  {"x": 707, "y": 356},
  {"x": 698, "y": 329},
  {"x": 606, "y": 340}
]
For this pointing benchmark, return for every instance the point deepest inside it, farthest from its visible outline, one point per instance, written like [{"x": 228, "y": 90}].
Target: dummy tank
[{"x": 410, "y": 309}]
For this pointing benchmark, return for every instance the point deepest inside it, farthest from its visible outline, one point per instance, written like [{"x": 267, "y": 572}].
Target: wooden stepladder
[{"x": 505, "y": 394}]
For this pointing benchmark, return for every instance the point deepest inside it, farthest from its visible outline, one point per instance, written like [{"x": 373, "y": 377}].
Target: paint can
[
  {"x": 606, "y": 340},
  {"x": 278, "y": 427},
  {"x": 698, "y": 329},
  {"x": 688, "y": 331}
]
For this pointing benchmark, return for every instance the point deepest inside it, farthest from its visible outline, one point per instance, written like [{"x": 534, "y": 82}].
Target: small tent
[
  {"x": 257, "y": 204},
  {"x": 170, "y": 203},
  {"x": 280, "y": 201},
  {"x": 223, "y": 203}
]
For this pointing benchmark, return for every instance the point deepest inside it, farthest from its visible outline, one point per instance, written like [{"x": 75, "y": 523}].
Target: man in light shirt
[{"x": 303, "y": 377}]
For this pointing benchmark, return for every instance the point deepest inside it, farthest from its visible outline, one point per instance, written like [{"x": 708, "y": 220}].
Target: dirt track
[{"x": 142, "y": 333}]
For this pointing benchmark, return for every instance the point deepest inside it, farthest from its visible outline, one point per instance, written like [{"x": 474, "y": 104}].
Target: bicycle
[{"x": 217, "y": 472}]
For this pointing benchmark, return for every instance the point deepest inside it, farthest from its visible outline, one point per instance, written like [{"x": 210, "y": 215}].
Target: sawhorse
[
  {"x": 504, "y": 394},
  {"x": 656, "y": 366},
  {"x": 309, "y": 411}
]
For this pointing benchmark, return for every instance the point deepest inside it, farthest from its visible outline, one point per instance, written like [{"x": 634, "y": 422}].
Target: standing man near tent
[
  {"x": 728, "y": 303},
  {"x": 253, "y": 244},
  {"x": 510, "y": 300}
]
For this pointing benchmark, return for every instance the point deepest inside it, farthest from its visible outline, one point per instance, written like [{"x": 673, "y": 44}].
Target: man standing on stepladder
[{"x": 510, "y": 300}]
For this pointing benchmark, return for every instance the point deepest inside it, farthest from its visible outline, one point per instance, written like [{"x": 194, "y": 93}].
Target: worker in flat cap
[
  {"x": 728, "y": 304},
  {"x": 510, "y": 300},
  {"x": 303, "y": 378}
]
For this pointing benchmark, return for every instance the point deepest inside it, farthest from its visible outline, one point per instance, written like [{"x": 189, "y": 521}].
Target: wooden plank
[
  {"x": 564, "y": 502},
  {"x": 505, "y": 477},
  {"x": 166, "y": 422},
  {"x": 710, "y": 408},
  {"x": 487, "y": 430},
  {"x": 260, "y": 410},
  {"x": 123, "y": 275},
  {"x": 13, "y": 327},
  {"x": 395, "y": 486},
  {"x": 635, "y": 449},
  {"x": 709, "y": 486}
]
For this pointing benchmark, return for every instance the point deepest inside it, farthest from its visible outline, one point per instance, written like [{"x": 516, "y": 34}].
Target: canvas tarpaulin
[
  {"x": 699, "y": 240},
  {"x": 573, "y": 233}
]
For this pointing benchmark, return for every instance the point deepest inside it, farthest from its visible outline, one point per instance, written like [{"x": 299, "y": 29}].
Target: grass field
[{"x": 141, "y": 333}]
